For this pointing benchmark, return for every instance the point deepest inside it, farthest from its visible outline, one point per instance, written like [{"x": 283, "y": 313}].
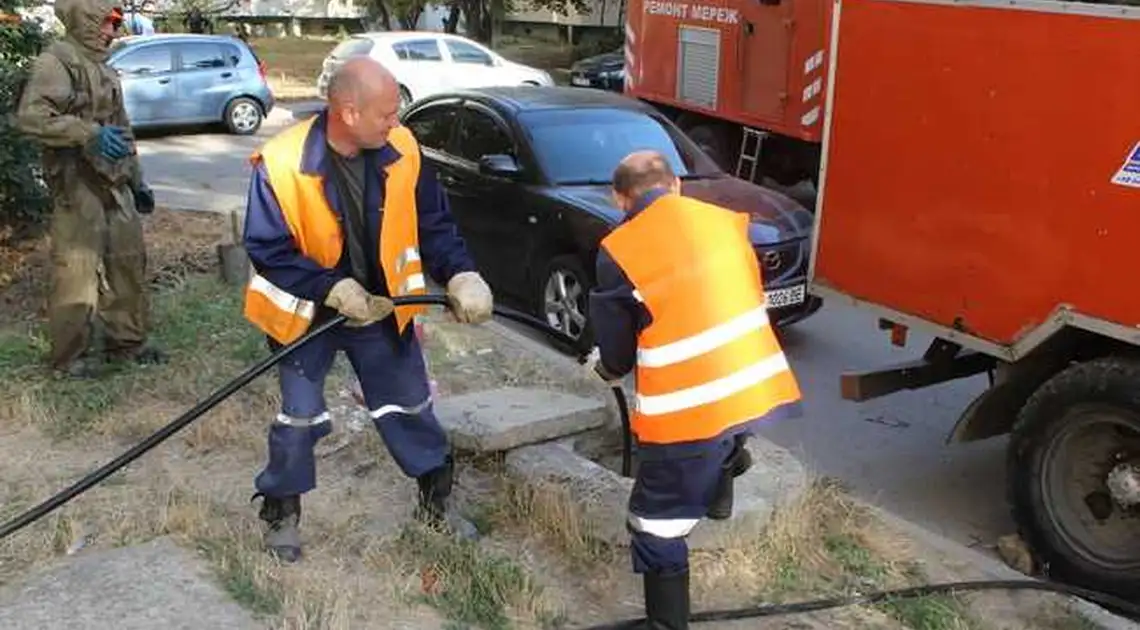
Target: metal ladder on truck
[{"x": 750, "y": 153}]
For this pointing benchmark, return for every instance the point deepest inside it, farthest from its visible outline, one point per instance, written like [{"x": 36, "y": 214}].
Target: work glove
[
  {"x": 144, "y": 199},
  {"x": 359, "y": 306},
  {"x": 593, "y": 365},
  {"x": 470, "y": 298},
  {"x": 112, "y": 142}
]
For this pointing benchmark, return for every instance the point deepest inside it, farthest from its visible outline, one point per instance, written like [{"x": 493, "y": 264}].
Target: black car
[
  {"x": 527, "y": 172},
  {"x": 605, "y": 71}
]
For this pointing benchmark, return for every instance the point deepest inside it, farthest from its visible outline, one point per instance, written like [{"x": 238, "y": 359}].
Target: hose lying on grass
[{"x": 225, "y": 391}]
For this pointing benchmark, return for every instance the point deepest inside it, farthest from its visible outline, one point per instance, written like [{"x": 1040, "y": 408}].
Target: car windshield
[{"x": 583, "y": 146}]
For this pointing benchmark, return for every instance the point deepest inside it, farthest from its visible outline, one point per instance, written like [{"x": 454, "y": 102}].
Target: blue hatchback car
[{"x": 185, "y": 79}]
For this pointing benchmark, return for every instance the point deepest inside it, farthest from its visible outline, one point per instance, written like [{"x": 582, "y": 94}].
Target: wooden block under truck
[{"x": 981, "y": 184}]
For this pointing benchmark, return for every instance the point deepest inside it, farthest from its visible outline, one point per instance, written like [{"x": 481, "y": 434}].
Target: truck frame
[
  {"x": 980, "y": 181},
  {"x": 745, "y": 79}
]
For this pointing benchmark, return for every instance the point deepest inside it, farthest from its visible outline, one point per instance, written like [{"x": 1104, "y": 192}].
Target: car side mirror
[{"x": 499, "y": 165}]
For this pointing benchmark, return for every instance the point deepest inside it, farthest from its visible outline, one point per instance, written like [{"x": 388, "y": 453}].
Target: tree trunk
[{"x": 451, "y": 24}]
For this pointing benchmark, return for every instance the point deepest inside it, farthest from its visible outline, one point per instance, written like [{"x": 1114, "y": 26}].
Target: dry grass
[
  {"x": 539, "y": 564},
  {"x": 293, "y": 64}
]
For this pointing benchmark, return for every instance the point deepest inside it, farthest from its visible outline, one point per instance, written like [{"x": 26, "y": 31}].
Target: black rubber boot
[
  {"x": 435, "y": 488},
  {"x": 283, "y": 518},
  {"x": 666, "y": 601},
  {"x": 738, "y": 463},
  {"x": 433, "y": 509}
]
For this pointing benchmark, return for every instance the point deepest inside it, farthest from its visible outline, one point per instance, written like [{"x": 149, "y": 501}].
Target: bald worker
[
  {"x": 343, "y": 214},
  {"x": 679, "y": 301}
]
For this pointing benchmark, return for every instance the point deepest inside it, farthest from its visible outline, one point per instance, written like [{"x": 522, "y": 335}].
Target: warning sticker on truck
[{"x": 1129, "y": 173}]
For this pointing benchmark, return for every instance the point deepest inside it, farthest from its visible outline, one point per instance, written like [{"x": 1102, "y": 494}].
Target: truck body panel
[
  {"x": 981, "y": 170},
  {"x": 757, "y": 63}
]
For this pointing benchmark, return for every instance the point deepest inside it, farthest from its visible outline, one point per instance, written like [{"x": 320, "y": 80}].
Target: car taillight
[{"x": 261, "y": 69}]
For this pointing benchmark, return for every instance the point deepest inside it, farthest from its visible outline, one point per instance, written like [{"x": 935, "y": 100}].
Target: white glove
[
  {"x": 470, "y": 297},
  {"x": 361, "y": 307}
]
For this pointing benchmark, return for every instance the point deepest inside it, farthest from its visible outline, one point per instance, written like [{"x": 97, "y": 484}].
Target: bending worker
[
  {"x": 340, "y": 208},
  {"x": 73, "y": 105},
  {"x": 680, "y": 301}
]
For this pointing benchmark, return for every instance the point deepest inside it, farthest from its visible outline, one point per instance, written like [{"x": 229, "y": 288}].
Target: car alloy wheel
[
  {"x": 564, "y": 302},
  {"x": 243, "y": 116}
]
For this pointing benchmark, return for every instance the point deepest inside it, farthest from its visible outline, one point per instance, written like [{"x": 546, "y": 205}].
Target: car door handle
[
  {"x": 164, "y": 81},
  {"x": 226, "y": 75}
]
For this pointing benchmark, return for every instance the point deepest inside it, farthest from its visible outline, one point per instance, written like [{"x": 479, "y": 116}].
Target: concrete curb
[{"x": 993, "y": 569}]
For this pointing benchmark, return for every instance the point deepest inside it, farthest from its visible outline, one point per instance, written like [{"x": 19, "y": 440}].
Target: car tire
[
  {"x": 1079, "y": 429},
  {"x": 243, "y": 116},
  {"x": 405, "y": 98},
  {"x": 562, "y": 300}
]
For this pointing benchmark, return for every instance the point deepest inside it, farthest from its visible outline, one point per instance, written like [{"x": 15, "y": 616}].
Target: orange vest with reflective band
[
  {"x": 318, "y": 235},
  {"x": 709, "y": 360}
]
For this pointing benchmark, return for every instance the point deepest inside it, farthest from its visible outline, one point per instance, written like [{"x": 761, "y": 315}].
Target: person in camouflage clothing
[{"x": 73, "y": 105}]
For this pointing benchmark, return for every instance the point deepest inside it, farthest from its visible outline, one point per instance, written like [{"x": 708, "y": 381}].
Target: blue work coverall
[
  {"x": 674, "y": 482},
  {"x": 389, "y": 365}
]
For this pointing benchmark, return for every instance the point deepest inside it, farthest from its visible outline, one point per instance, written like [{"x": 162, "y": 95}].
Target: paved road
[
  {"x": 203, "y": 168},
  {"x": 890, "y": 450}
]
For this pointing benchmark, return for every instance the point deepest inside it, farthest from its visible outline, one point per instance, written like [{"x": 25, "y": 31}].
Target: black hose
[
  {"x": 227, "y": 390},
  {"x": 770, "y": 610}
]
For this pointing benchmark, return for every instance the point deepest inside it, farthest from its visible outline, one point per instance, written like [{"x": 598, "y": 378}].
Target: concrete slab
[
  {"x": 775, "y": 479},
  {"x": 510, "y": 417},
  {"x": 148, "y": 586}
]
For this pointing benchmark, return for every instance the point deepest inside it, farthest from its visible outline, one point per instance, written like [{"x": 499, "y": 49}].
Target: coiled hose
[{"x": 98, "y": 475}]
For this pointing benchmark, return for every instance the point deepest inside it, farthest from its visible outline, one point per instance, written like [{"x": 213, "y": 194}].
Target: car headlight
[{"x": 619, "y": 73}]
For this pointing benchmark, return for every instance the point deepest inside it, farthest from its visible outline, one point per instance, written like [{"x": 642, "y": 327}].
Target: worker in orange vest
[
  {"x": 679, "y": 301},
  {"x": 340, "y": 208}
]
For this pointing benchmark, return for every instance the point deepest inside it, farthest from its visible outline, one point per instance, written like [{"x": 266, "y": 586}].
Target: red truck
[
  {"x": 745, "y": 79},
  {"x": 981, "y": 185}
]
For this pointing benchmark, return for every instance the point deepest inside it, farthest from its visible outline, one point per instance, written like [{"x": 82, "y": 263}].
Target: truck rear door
[{"x": 762, "y": 47}]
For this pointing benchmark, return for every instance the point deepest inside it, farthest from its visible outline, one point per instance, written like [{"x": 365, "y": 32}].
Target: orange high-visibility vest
[
  {"x": 314, "y": 226},
  {"x": 709, "y": 360}
]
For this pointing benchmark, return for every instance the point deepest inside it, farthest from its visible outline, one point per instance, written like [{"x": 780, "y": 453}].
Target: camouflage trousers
[{"x": 98, "y": 261}]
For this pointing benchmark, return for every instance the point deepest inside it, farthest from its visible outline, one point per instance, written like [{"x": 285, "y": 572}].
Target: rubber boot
[
  {"x": 736, "y": 465},
  {"x": 666, "y": 601},
  {"x": 283, "y": 518},
  {"x": 434, "y": 510}
]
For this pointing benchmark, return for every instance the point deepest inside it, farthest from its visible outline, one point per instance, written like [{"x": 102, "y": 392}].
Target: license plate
[
  {"x": 583, "y": 81},
  {"x": 786, "y": 297}
]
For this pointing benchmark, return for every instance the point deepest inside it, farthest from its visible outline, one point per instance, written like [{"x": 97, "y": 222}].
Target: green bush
[{"x": 24, "y": 199}]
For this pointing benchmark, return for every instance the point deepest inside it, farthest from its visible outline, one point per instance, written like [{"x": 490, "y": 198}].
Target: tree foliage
[{"x": 24, "y": 198}]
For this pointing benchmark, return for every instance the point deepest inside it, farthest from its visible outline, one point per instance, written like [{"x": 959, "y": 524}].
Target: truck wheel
[{"x": 1073, "y": 471}]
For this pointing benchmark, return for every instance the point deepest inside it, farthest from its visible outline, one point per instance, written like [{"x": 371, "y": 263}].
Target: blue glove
[
  {"x": 144, "y": 199},
  {"x": 112, "y": 143}
]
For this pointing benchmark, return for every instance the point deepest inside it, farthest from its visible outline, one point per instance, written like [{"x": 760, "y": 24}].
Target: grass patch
[
  {"x": 293, "y": 63},
  {"x": 470, "y": 585},
  {"x": 193, "y": 321}
]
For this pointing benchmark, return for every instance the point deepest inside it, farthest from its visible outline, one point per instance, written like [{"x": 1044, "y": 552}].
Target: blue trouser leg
[
  {"x": 669, "y": 498},
  {"x": 303, "y": 421},
  {"x": 394, "y": 382}
]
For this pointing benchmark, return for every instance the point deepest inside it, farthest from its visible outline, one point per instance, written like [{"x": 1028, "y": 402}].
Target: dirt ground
[{"x": 537, "y": 565}]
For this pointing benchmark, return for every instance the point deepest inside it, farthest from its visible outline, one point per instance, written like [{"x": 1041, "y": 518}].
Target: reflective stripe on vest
[
  {"x": 318, "y": 235},
  {"x": 709, "y": 360}
]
